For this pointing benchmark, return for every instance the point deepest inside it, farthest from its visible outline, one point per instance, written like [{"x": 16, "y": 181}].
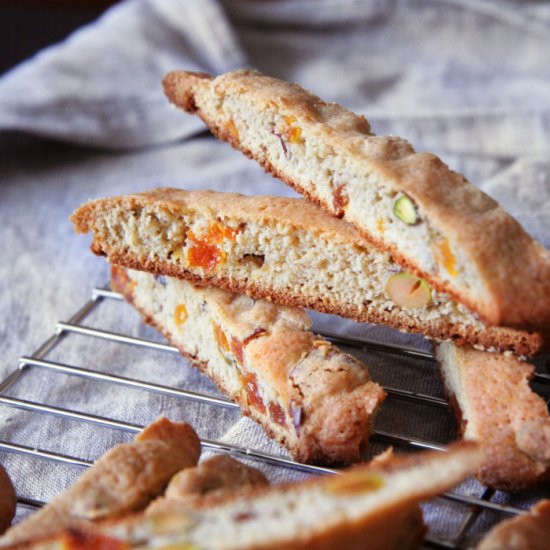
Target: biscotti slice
[
  {"x": 123, "y": 480},
  {"x": 316, "y": 400},
  {"x": 212, "y": 480},
  {"x": 357, "y": 510},
  {"x": 222, "y": 478},
  {"x": 283, "y": 249},
  {"x": 495, "y": 406},
  {"x": 529, "y": 531},
  {"x": 8, "y": 500},
  {"x": 431, "y": 219}
]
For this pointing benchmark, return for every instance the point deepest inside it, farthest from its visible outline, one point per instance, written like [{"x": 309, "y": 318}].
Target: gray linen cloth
[{"x": 469, "y": 81}]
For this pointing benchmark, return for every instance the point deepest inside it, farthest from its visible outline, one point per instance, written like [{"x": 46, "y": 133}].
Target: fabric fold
[{"x": 102, "y": 86}]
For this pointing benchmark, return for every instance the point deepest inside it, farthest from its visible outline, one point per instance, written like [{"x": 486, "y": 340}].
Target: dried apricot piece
[
  {"x": 277, "y": 413},
  {"x": 220, "y": 337},
  {"x": 251, "y": 386},
  {"x": 446, "y": 257},
  {"x": 231, "y": 129},
  {"x": 340, "y": 200},
  {"x": 180, "y": 315},
  {"x": 293, "y": 134},
  {"x": 217, "y": 233},
  {"x": 408, "y": 290},
  {"x": 237, "y": 349},
  {"x": 202, "y": 254}
]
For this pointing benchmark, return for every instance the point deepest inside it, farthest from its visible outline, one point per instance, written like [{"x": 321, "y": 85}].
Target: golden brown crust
[
  {"x": 529, "y": 531},
  {"x": 292, "y": 212},
  {"x": 492, "y": 241},
  {"x": 208, "y": 483},
  {"x": 296, "y": 214},
  {"x": 339, "y": 418},
  {"x": 126, "y": 478},
  {"x": 494, "y": 405},
  {"x": 8, "y": 500},
  {"x": 217, "y": 474}
]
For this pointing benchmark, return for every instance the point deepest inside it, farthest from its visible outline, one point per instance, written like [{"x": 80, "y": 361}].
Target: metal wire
[{"x": 476, "y": 505}]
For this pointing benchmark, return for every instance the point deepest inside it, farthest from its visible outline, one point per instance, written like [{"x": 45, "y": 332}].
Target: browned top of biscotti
[
  {"x": 205, "y": 484},
  {"x": 530, "y": 531},
  {"x": 289, "y": 212},
  {"x": 219, "y": 473},
  {"x": 512, "y": 266}
]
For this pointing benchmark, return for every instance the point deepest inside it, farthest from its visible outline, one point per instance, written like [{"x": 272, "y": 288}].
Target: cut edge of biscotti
[
  {"x": 369, "y": 502},
  {"x": 494, "y": 405},
  {"x": 317, "y": 401},
  {"x": 432, "y": 221},
  {"x": 283, "y": 249}
]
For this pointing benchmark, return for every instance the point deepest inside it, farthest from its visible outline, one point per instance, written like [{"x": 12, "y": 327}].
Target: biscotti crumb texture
[
  {"x": 283, "y": 249},
  {"x": 495, "y": 406},
  {"x": 431, "y": 219},
  {"x": 367, "y": 506},
  {"x": 316, "y": 400}
]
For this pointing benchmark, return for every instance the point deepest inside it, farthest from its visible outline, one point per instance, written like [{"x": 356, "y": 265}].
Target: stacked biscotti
[
  {"x": 395, "y": 237},
  {"x": 446, "y": 241},
  {"x": 431, "y": 220}
]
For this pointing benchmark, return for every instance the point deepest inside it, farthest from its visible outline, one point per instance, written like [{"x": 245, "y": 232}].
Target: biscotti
[
  {"x": 123, "y": 480},
  {"x": 212, "y": 480},
  {"x": 220, "y": 474},
  {"x": 366, "y": 507},
  {"x": 316, "y": 400},
  {"x": 7, "y": 500},
  {"x": 283, "y": 249},
  {"x": 495, "y": 406},
  {"x": 529, "y": 531},
  {"x": 429, "y": 218}
]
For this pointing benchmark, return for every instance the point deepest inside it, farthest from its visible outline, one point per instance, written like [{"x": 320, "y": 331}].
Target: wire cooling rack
[{"x": 474, "y": 506}]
